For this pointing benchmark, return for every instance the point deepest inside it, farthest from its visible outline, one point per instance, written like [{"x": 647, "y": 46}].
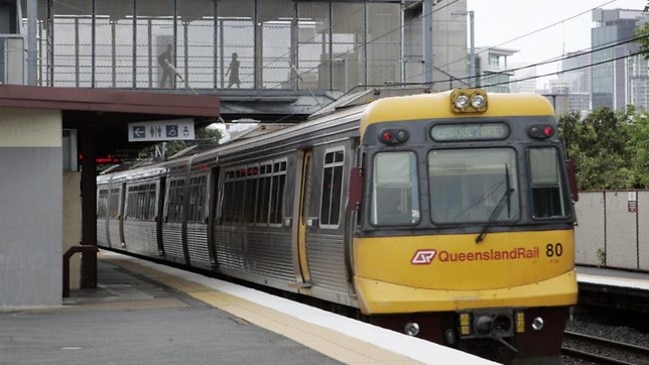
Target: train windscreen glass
[
  {"x": 395, "y": 192},
  {"x": 472, "y": 185}
]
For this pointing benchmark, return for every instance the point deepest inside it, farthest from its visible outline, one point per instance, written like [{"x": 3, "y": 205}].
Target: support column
[
  {"x": 88, "y": 207},
  {"x": 32, "y": 17}
]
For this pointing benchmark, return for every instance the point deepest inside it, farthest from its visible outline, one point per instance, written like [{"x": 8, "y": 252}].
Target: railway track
[{"x": 602, "y": 351}]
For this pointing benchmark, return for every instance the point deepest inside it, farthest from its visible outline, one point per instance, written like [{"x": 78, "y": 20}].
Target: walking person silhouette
[
  {"x": 164, "y": 60},
  {"x": 233, "y": 71}
]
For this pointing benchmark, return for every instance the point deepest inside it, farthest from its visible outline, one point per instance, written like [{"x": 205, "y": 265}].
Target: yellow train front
[{"x": 465, "y": 232}]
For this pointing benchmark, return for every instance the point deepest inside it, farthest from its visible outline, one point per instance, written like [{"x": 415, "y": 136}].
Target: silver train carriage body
[{"x": 436, "y": 215}]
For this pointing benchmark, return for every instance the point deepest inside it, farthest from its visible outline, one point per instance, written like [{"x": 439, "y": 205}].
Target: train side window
[
  {"x": 263, "y": 193},
  {"x": 549, "y": 193},
  {"x": 197, "y": 196},
  {"x": 332, "y": 188},
  {"x": 175, "y": 200},
  {"x": 113, "y": 207},
  {"x": 140, "y": 202},
  {"x": 229, "y": 205},
  {"x": 249, "y": 198},
  {"x": 277, "y": 191},
  {"x": 395, "y": 189},
  {"x": 102, "y": 204}
]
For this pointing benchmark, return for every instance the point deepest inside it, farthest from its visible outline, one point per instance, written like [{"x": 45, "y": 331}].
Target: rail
[{"x": 602, "y": 351}]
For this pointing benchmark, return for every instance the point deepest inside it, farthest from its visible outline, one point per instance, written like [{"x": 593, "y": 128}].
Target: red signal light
[
  {"x": 540, "y": 131},
  {"x": 548, "y": 131},
  {"x": 393, "y": 136}
]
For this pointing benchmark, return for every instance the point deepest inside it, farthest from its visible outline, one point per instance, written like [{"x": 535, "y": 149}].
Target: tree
[
  {"x": 598, "y": 144},
  {"x": 204, "y": 135}
]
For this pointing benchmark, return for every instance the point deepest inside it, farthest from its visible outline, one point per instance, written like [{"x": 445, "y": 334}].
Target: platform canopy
[{"x": 108, "y": 112}]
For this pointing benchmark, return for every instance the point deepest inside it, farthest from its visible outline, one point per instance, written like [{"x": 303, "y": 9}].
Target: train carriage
[
  {"x": 446, "y": 216},
  {"x": 466, "y": 236}
]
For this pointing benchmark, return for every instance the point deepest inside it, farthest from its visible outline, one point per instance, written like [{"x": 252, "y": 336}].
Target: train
[{"x": 448, "y": 216}]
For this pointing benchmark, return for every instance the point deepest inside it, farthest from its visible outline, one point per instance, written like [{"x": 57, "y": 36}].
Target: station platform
[
  {"x": 610, "y": 289},
  {"x": 146, "y": 313},
  {"x": 614, "y": 278}
]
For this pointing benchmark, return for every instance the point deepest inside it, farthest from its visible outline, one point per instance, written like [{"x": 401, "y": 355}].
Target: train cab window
[
  {"x": 549, "y": 193},
  {"x": 332, "y": 188},
  {"x": 473, "y": 185},
  {"x": 395, "y": 189}
]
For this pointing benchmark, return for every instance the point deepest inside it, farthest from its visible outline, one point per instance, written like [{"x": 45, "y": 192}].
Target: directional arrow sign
[
  {"x": 139, "y": 132},
  {"x": 162, "y": 130}
]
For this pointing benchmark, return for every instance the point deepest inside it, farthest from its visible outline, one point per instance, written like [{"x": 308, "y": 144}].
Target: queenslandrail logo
[{"x": 426, "y": 256}]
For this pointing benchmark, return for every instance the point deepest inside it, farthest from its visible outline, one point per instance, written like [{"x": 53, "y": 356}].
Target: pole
[
  {"x": 32, "y": 17},
  {"x": 427, "y": 40},
  {"x": 472, "y": 50}
]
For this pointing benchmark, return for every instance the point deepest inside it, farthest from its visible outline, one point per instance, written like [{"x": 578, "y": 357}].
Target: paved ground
[{"x": 131, "y": 320}]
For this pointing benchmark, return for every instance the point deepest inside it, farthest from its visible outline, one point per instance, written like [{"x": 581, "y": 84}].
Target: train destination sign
[
  {"x": 469, "y": 132},
  {"x": 162, "y": 130}
]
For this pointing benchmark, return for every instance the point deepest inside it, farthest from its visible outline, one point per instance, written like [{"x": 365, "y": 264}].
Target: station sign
[{"x": 161, "y": 130}]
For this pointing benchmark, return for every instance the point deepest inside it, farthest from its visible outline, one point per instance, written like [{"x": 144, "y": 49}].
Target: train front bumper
[{"x": 377, "y": 297}]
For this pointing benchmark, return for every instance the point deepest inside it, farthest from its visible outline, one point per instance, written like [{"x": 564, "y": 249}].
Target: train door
[
  {"x": 160, "y": 214},
  {"x": 212, "y": 200},
  {"x": 303, "y": 180},
  {"x": 122, "y": 213}
]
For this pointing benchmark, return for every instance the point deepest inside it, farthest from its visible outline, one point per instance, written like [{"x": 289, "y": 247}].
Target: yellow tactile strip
[{"x": 336, "y": 345}]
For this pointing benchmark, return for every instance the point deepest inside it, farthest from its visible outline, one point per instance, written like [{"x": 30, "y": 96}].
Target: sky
[{"x": 540, "y": 30}]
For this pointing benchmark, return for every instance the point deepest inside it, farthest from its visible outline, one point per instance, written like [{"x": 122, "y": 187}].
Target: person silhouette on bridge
[
  {"x": 164, "y": 60},
  {"x": 233, "y": 71}
]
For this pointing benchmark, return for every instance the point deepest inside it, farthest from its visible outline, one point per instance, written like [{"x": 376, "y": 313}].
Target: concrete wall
[
  {"x": 30, "y": 208},
  {"x": 613, "y": 229},
  {"x": 72, "y": 223}
]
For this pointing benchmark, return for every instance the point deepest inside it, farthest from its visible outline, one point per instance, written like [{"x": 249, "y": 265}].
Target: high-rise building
[
  {"x": 524, "y": 80},
  {"x": 492, "y": 67},
  {"x": 612, "y": 43}
]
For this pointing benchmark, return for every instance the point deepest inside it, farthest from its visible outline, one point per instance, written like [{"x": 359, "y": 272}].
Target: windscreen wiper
[{"x": 505, "y": 198}]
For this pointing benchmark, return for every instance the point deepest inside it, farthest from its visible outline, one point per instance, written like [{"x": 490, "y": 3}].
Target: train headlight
[
  {"x": 411, "y": 329},
  {"x": 469, "y": 100},
  {"x": 462, "y": 102},
  {"x": 478, "y": 101},
  {"x": 538, "y": 323}
]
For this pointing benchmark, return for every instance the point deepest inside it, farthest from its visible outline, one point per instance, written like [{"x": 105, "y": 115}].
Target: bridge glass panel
[
  {"x": 276, "y": 20},
  {"x": 384, "y": 43},
  {"x": 72, "y": 49},
  {"x": 113, "y": 44},
  {"x": 314, "y": 58},
  {"x": 236, "y": 44},
  {"x": 348, "y": 40},
  {"x": 195, "y": 61},
  {"x": 156, "y": 52}
]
